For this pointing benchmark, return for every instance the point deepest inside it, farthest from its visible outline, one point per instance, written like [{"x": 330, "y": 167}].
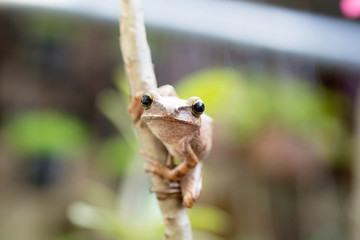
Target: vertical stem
[
  {"x": 139, "y": 69},
  {"x": 355, "y": 213}
]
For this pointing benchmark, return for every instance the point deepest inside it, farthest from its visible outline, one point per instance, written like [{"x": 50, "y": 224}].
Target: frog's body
[{"x": 186, "y": 133}]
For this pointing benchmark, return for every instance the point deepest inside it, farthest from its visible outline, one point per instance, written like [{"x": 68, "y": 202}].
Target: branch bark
[
  {"x": 140, "y": 73},
  {"x": 355, "y": 208}
]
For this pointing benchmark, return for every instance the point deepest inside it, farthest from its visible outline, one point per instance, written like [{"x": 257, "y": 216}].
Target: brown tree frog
[{"x": 186, "y": 132}]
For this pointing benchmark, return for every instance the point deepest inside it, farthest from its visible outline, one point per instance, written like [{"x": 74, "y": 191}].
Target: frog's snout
[{"x": 174, "y": 112}]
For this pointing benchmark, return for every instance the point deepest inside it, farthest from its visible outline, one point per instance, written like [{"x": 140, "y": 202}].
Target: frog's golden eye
[
  {"x": 197, "y": 108},
  {"x": 146, "y": 100}
]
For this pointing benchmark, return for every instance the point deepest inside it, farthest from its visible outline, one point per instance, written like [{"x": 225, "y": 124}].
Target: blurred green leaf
[
  {"x": 98, "y": 194},
  {"x": 121, "y": 83},
  {"x": 48, "y": 132},
  {"x": 53, "y": 26},
  {"x": 243, "y": 104},
  {"x": 210, "y": 219},
  {"x": 257, "y": 236},
  {"x": 115, "y": 155},
  {"x": 111, "y": 224},
  {"x": 218, "y": 88},
  {"x": 112, "y": 104},
  {"x": 200, "y": 235}
]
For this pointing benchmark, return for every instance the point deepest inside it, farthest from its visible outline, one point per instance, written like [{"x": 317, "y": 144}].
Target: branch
[
  {"x": 355, "y": 208},
  {"x": 141, "y": 77}
]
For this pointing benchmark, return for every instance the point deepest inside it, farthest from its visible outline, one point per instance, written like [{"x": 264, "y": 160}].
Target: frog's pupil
[
  {"x": 199, "y": 107},
  {"x": 146, "y": 100}
]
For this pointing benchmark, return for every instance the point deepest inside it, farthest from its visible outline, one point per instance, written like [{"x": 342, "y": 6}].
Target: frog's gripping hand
[{"x": 136, "y": 109}]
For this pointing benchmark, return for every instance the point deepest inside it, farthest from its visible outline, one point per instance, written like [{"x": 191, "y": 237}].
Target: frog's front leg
[
  {"x": 190, "y": 182},
  {"x": 159, "y": 169},
  {"x": 176, "y": 174},
  {"x": 136, "y": 109}
]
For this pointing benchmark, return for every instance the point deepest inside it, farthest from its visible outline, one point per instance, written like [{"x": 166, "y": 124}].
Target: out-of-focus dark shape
[
  {"x": 44, "y": 140},
  {"x": 42, "y": 170},
  {"x": 279, "y": 155}
]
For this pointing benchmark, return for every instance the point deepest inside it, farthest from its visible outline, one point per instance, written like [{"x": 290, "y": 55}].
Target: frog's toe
[
  {"x": 166, "y": 190},
  {"x": 158, "y": 169},
  {"x": 148, "y": 168},
  {"x": 151, "y": 161},
  {"x": 188, "y": 200}
]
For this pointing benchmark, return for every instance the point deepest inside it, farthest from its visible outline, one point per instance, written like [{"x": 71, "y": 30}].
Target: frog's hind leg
[
  {"x": 172, "y": 191},
  {"x": 191, "y": 185},
  {"x": 176, "y": 174},
  {"x": 173, "y": 187}
]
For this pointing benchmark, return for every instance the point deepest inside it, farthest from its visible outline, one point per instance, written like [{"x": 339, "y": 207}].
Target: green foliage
[
  {"x": 115, "y": 155},
  {"x": 242, "y": 105},
  {"x": 111, "y": 224},
  {"x": 218, "y": 88},
  {"x": 54, "y": 26},
  {"x": 98, "y": 212},
  {"x": 114, "y": 106},
  {"x": 229, "y": 98},
  {"x": 121, "y": 84},
  {"x": 201, "y": 235},
  {"x": 45, "y": 132},
  {"x": 257, "y": 236},
  {"x": 209, "y": 219}
]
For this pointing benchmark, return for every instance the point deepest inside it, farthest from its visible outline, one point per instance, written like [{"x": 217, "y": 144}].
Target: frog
[{"x": 186, "y": 132}]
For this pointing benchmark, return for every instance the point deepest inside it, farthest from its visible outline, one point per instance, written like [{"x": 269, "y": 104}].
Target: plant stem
[
  {"x": 140, "y": 73},
  {"x": 355, "y": 211}
]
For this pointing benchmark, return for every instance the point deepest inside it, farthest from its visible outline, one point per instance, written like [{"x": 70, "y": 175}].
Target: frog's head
[{"x": 171, "y": 117}]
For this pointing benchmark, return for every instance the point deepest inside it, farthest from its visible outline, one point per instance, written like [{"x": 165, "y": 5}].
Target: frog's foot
[
  {"x": 159, "y": 169},
  {"x": 165, "y": 191},
  {"x": 173, "y": 187},
  {"x": 173, "y": 191},
  {"x": 162, "y": 196}
]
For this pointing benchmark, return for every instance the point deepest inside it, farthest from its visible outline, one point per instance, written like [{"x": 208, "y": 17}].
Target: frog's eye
[
  {"x": 146, "y": 100},
  {"x": 197, "y": 108}
]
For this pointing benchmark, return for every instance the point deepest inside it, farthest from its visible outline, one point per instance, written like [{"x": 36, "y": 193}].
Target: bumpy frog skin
[{"x": 185, "y": 131}]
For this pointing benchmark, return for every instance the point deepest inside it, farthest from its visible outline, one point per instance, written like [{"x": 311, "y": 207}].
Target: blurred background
[{"x": 279, "y": 77}]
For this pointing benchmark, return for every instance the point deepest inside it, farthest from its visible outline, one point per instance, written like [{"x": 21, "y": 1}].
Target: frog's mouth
[
  {"x": 170, "y": 129},
  {"x": 169, "y": 119}
]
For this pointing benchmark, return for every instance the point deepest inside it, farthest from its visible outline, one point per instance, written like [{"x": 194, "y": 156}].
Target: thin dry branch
[
  {"x": 355, "y": 211},
  {"x": 141, "y": 77}
]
